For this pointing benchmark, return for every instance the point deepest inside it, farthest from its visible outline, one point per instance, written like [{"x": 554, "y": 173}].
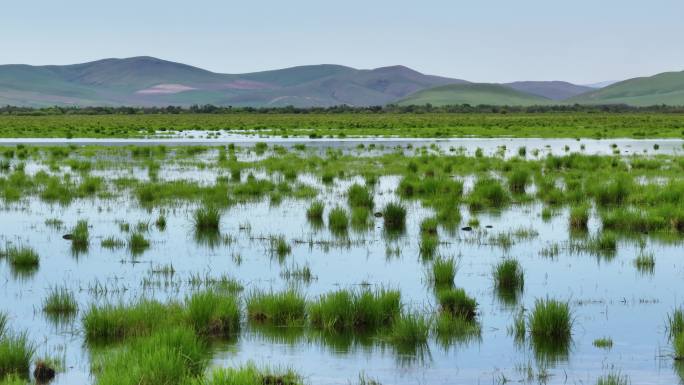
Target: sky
[{"x": 582, "y": 41}]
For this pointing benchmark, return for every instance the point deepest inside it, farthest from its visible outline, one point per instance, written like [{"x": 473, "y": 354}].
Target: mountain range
[{"x": 148, "y": 81}]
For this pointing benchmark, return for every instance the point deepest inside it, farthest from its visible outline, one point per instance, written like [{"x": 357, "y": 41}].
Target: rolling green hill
[
  {"x": 473, "y": 94},
  {"x": 666, "y": 88}
]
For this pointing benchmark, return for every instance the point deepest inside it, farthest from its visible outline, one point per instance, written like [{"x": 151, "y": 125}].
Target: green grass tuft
[
  {"x": 60, "y": 301},
  {"x": 286, "y": 308},
  {"x": 457, "y": 303},
  {"x": 348, "y": 310},
  {"x": 444, "y": 271},
  {"x": 395, "y": 216},
  {"x": 211, "y": 313}
]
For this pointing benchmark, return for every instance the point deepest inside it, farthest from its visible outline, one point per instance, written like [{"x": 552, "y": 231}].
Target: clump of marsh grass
[
  {"x": 168, "y": 356},
  {"x": 160, "y": 223},
  {"x": 579, "y": 217},
  {"x": 22, "y": 257},
  {"x": 509, "y": 279},
  {"x": 451, "y": 328},
  {"x": 519, "y": 328},
  {"x": 301, "y": 273},
  {"x": 614, "y": 378},
  {"x": 409, "y": 331},
  {"x": 137, "y": 243},
  {"x": 428, "y": 245},
  {"x": 349, "y": 310},
  {"x": 487, "y": 193},
  {"x": 551, "y": 320},
  {"x": 286, "y": 308},
  {"x": 207, "y": 219},
  {"x": 80, "y": 236},
  {"x": 110, "y": 322},
  {"x": 675, "y": 322},
  {"x": 550, "y": 326},
  {"x": 395, "y": 216},
  {"x": 249, "y": 374},
  {"x": 279, "y": 246},
  {"x": 212, "y": 313},
  {"x": 60, "y": 302},
  {"x": 360, "y": 218},
  {"x": 315, "y": 211},
  {"x": 443, "y": 271},
  {"x": 518, "y": 180},
  {"x": 338, "y": 221},
  {"x": 645, "y": 263},
  {"x": 112, "y": 242},
  {"x": 678, "y": 346},
  {"x": 429, "y": 226},
  {"x": 360, "y": 196},
  {"x": 16, "y": 353},
  {"x": 603, "y": 343},
  {"x": 457, "y": 302}
]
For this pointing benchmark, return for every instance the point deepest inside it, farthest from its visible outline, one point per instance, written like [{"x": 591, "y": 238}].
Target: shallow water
[
  {"x": 609, "y": 296},
  {"x": 468, "y": 146}
]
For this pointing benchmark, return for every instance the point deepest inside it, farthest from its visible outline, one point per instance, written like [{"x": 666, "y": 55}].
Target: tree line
[{"x": 394, "y": 109}]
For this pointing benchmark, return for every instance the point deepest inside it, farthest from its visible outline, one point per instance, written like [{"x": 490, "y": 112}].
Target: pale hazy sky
[{"x": 582, "y": 41}]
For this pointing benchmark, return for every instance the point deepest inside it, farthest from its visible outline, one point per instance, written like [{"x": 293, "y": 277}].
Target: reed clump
[
  {"x": 355, "y": 310},
  {"x": 286, "y": 308}
]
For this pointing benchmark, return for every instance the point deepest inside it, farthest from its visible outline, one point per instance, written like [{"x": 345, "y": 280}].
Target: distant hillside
[
  {"x": 474, "y": 94},
  {"x": 666, "y": 88},
  {"x": 147, "y": 81},
  {"x": 554, "y": 90}
]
